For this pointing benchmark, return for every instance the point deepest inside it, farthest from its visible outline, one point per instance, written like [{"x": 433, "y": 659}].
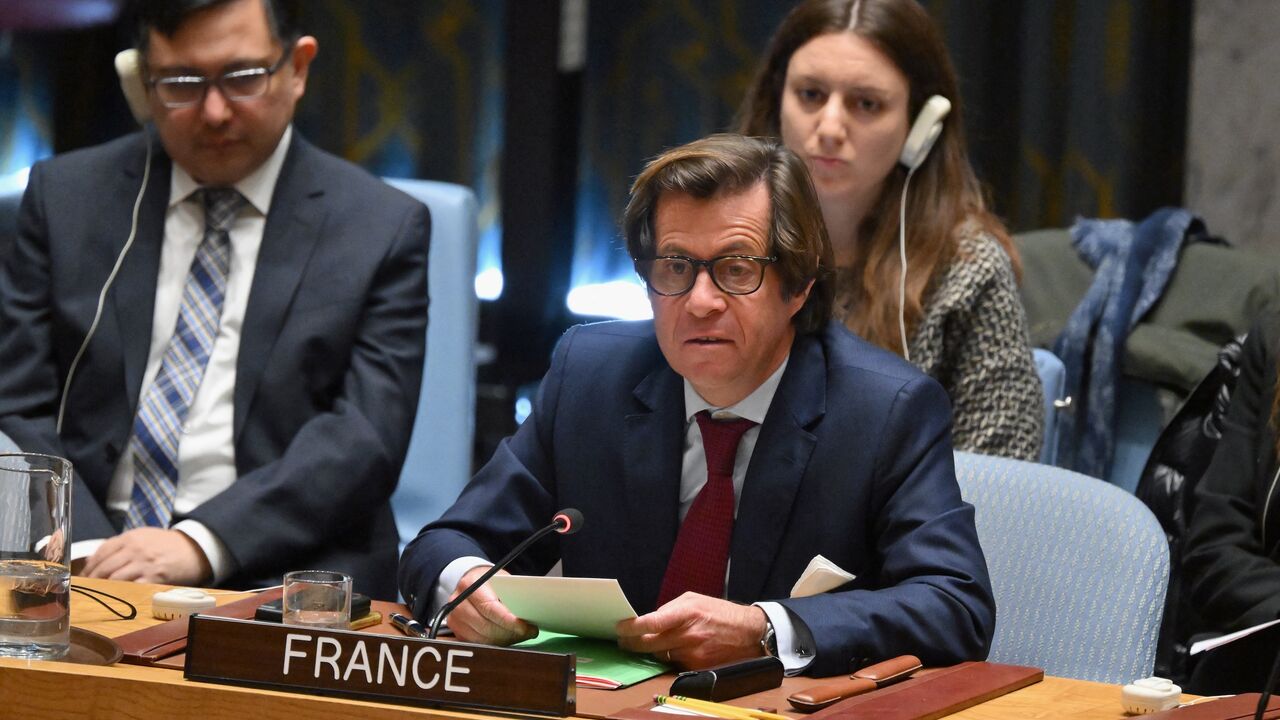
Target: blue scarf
[{"x": 1132, "y": 266}]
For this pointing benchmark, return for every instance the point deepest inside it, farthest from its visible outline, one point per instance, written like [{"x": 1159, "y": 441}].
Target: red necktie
[{"x": 701, "y": 555}]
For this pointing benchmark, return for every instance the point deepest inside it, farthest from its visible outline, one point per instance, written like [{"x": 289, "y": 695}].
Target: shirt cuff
[
  {"x": 449, "y": 577},
  {"x": 795, "y": 641},
  {"x": 214, "y": 551}
]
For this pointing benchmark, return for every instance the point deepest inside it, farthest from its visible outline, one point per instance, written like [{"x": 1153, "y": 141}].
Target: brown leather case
[
  {"x": 937, "y": 694},
  {"x": 882, "y": 674},
  {"x": 816, "y": 697},
  {"x": 150, "y": 645},
  {"x": 1239, "y": 707}
]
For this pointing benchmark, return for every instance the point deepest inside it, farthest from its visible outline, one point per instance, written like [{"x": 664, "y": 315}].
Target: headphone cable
[
  {"x": 102, "y": 296},
  {"x": 902, "y": 257}
]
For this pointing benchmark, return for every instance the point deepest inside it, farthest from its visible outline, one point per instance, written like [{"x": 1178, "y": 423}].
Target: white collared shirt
[
  {"x": 693, "y": 468},
  {"x": 206, "y": 451}
]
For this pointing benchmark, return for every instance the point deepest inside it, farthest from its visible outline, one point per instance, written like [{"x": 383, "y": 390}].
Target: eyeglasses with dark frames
[
  {"x": 180, "y": 91},
  {"x": 676, "y": 274}
]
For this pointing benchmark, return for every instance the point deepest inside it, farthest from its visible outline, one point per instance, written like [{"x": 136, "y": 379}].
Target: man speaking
[{"x": 717, "y": 449}]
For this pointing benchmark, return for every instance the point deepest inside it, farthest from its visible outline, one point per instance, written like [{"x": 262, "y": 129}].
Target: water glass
[
  {"x": 35, "y": 539},
  {"x": 317, "y": 599}
]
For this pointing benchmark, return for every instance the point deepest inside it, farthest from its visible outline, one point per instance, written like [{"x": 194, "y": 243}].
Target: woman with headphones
[{"x": 930, "y": 274}]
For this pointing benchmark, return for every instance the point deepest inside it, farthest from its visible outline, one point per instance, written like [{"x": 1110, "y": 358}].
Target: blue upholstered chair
[
  {"x": 10, "y": 198},
  {"x": 1078, "y": 566},
  {"x": 439, "y": 461},
  {"x": 1053, "y": 377}
]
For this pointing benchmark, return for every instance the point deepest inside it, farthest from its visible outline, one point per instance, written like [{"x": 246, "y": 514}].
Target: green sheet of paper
[{"x": 601, "y": 663}]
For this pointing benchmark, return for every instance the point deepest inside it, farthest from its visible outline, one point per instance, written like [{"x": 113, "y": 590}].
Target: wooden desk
[{"x": 37, "y": 689}]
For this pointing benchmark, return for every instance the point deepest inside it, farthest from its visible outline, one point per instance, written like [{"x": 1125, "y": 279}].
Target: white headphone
[
  {"x": 925, "y": 131},
  {"x": 129, "y": 68}
]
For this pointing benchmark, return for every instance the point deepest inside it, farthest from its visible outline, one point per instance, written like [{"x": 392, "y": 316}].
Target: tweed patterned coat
[{"x": 973, "y": 339}]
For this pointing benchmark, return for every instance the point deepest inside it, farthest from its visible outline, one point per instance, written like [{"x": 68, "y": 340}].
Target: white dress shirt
[
  {"x": 206, "y": 452},
  {"x": 795, "y": 642}
]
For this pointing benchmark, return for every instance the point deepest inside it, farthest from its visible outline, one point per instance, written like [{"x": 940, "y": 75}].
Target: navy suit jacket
[
  {"x": 327, "y": 374},
  {"x": 853, "y": 462}
]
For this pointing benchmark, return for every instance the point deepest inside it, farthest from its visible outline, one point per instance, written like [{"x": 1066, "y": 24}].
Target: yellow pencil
[
  {"x": 723, "y": 710},
  {"x": 727, "y": 712},
  {"x": 752, "y": 712}
]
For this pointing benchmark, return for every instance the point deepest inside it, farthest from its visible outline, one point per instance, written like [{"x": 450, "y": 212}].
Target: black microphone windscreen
[{"x": 570, "y": 521}]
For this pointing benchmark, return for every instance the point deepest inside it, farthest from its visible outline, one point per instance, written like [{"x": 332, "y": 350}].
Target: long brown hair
[{"x": 944, "y": 191}]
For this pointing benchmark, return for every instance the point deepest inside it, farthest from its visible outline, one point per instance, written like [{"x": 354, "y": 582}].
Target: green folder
[{"x": 601, "y": 663}]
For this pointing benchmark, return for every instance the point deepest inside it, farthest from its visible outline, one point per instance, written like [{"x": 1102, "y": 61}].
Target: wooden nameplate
[{"x": 384, "y": 668}]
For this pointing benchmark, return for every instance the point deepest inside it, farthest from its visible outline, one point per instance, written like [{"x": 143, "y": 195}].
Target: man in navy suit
[
  {"x": 283, "y": 288},
  {"x": 844, "y": 451}
]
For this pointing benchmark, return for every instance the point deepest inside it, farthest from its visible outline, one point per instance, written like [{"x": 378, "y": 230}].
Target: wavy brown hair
[
  {"x": 944, "y": 191},
  {"x": 726, "y": 165}
]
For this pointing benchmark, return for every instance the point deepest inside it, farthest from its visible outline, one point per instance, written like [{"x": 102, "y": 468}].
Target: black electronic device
[
  {"x": 729, "y": 681},
  {"x": 274, "y": 611}
]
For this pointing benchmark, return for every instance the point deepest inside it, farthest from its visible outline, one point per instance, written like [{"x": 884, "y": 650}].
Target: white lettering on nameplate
[{"x": 328, "y": 660}]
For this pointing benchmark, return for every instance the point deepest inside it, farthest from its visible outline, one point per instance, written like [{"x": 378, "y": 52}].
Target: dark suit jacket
[
  {"x": 327, "y": 373},
  {"x": 1232, "y": 555},
  {"x": 853, "y": 461}
]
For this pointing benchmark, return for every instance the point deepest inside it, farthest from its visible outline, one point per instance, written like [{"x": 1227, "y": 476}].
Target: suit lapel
[
  {"x": 653, "y": 452},
  {"x": 777, "y": 467},
  {"x": 133, "y": 293},
  {"x": 288, "y": 239}
]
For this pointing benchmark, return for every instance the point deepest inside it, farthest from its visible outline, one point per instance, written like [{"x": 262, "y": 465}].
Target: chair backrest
[
  {"x": 10, "y": 198},
  {"x": 1139, "y": 420},
  {"x": 438, "y": 463},
  {"x": 1078, "y": 567},
  {"x": 1053, "y": 378}
]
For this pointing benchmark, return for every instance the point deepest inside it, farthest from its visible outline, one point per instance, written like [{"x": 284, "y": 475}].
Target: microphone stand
[
  {"x": 1264, "y": 699},
  {"x": 558, "y": 524}
]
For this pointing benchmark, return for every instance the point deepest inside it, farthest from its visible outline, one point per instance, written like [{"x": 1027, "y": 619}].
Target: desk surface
[{"x": 44, "y": 689}]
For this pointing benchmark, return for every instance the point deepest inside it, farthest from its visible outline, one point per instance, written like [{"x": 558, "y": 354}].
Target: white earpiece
[
  {"x": 129, "y": 68},
  {"x": 924, "y": 133}
]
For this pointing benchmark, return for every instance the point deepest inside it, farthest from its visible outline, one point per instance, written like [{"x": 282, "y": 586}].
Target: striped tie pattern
[{"x": 163, "y": 408}]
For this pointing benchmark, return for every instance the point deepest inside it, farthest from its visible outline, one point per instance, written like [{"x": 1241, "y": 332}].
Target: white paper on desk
[
  {"x": 85, "y": 548},
  {"x": 1212, "y": 643},
  {"x": 820, "y": 576},
  {"x": 586, "y": 607}
]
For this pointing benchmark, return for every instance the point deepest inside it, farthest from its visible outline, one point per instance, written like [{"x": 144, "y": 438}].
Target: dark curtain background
[
  {"x": 1072, "y": 108},
  {"x": 403, "y": 89},
  {"x": 26, "y": 134},
  {"x": 412, "y": 90}
]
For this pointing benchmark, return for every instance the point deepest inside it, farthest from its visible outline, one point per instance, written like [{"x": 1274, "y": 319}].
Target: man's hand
[
  {"x": 483, "y": 618},
  {"x": 695, "y": 632},
  {"x": 153, "y": 555}
]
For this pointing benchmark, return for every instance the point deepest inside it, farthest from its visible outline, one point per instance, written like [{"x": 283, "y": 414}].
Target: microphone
[{"x": 566, "y": 522}]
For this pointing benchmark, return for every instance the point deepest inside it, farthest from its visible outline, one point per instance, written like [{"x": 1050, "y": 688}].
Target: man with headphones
[{"x": 221, "y": 326}]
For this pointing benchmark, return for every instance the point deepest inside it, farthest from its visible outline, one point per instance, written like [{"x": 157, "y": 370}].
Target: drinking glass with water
[
  {"x": 317, "y": 599},
  {"x": 35, "y": 539}
]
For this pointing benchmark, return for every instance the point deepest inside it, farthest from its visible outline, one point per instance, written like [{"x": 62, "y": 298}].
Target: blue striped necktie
[{"x": 163, "y": 408}]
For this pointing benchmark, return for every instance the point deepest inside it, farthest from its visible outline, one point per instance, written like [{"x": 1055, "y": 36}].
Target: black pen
[{"x": 408, "y": 625}]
